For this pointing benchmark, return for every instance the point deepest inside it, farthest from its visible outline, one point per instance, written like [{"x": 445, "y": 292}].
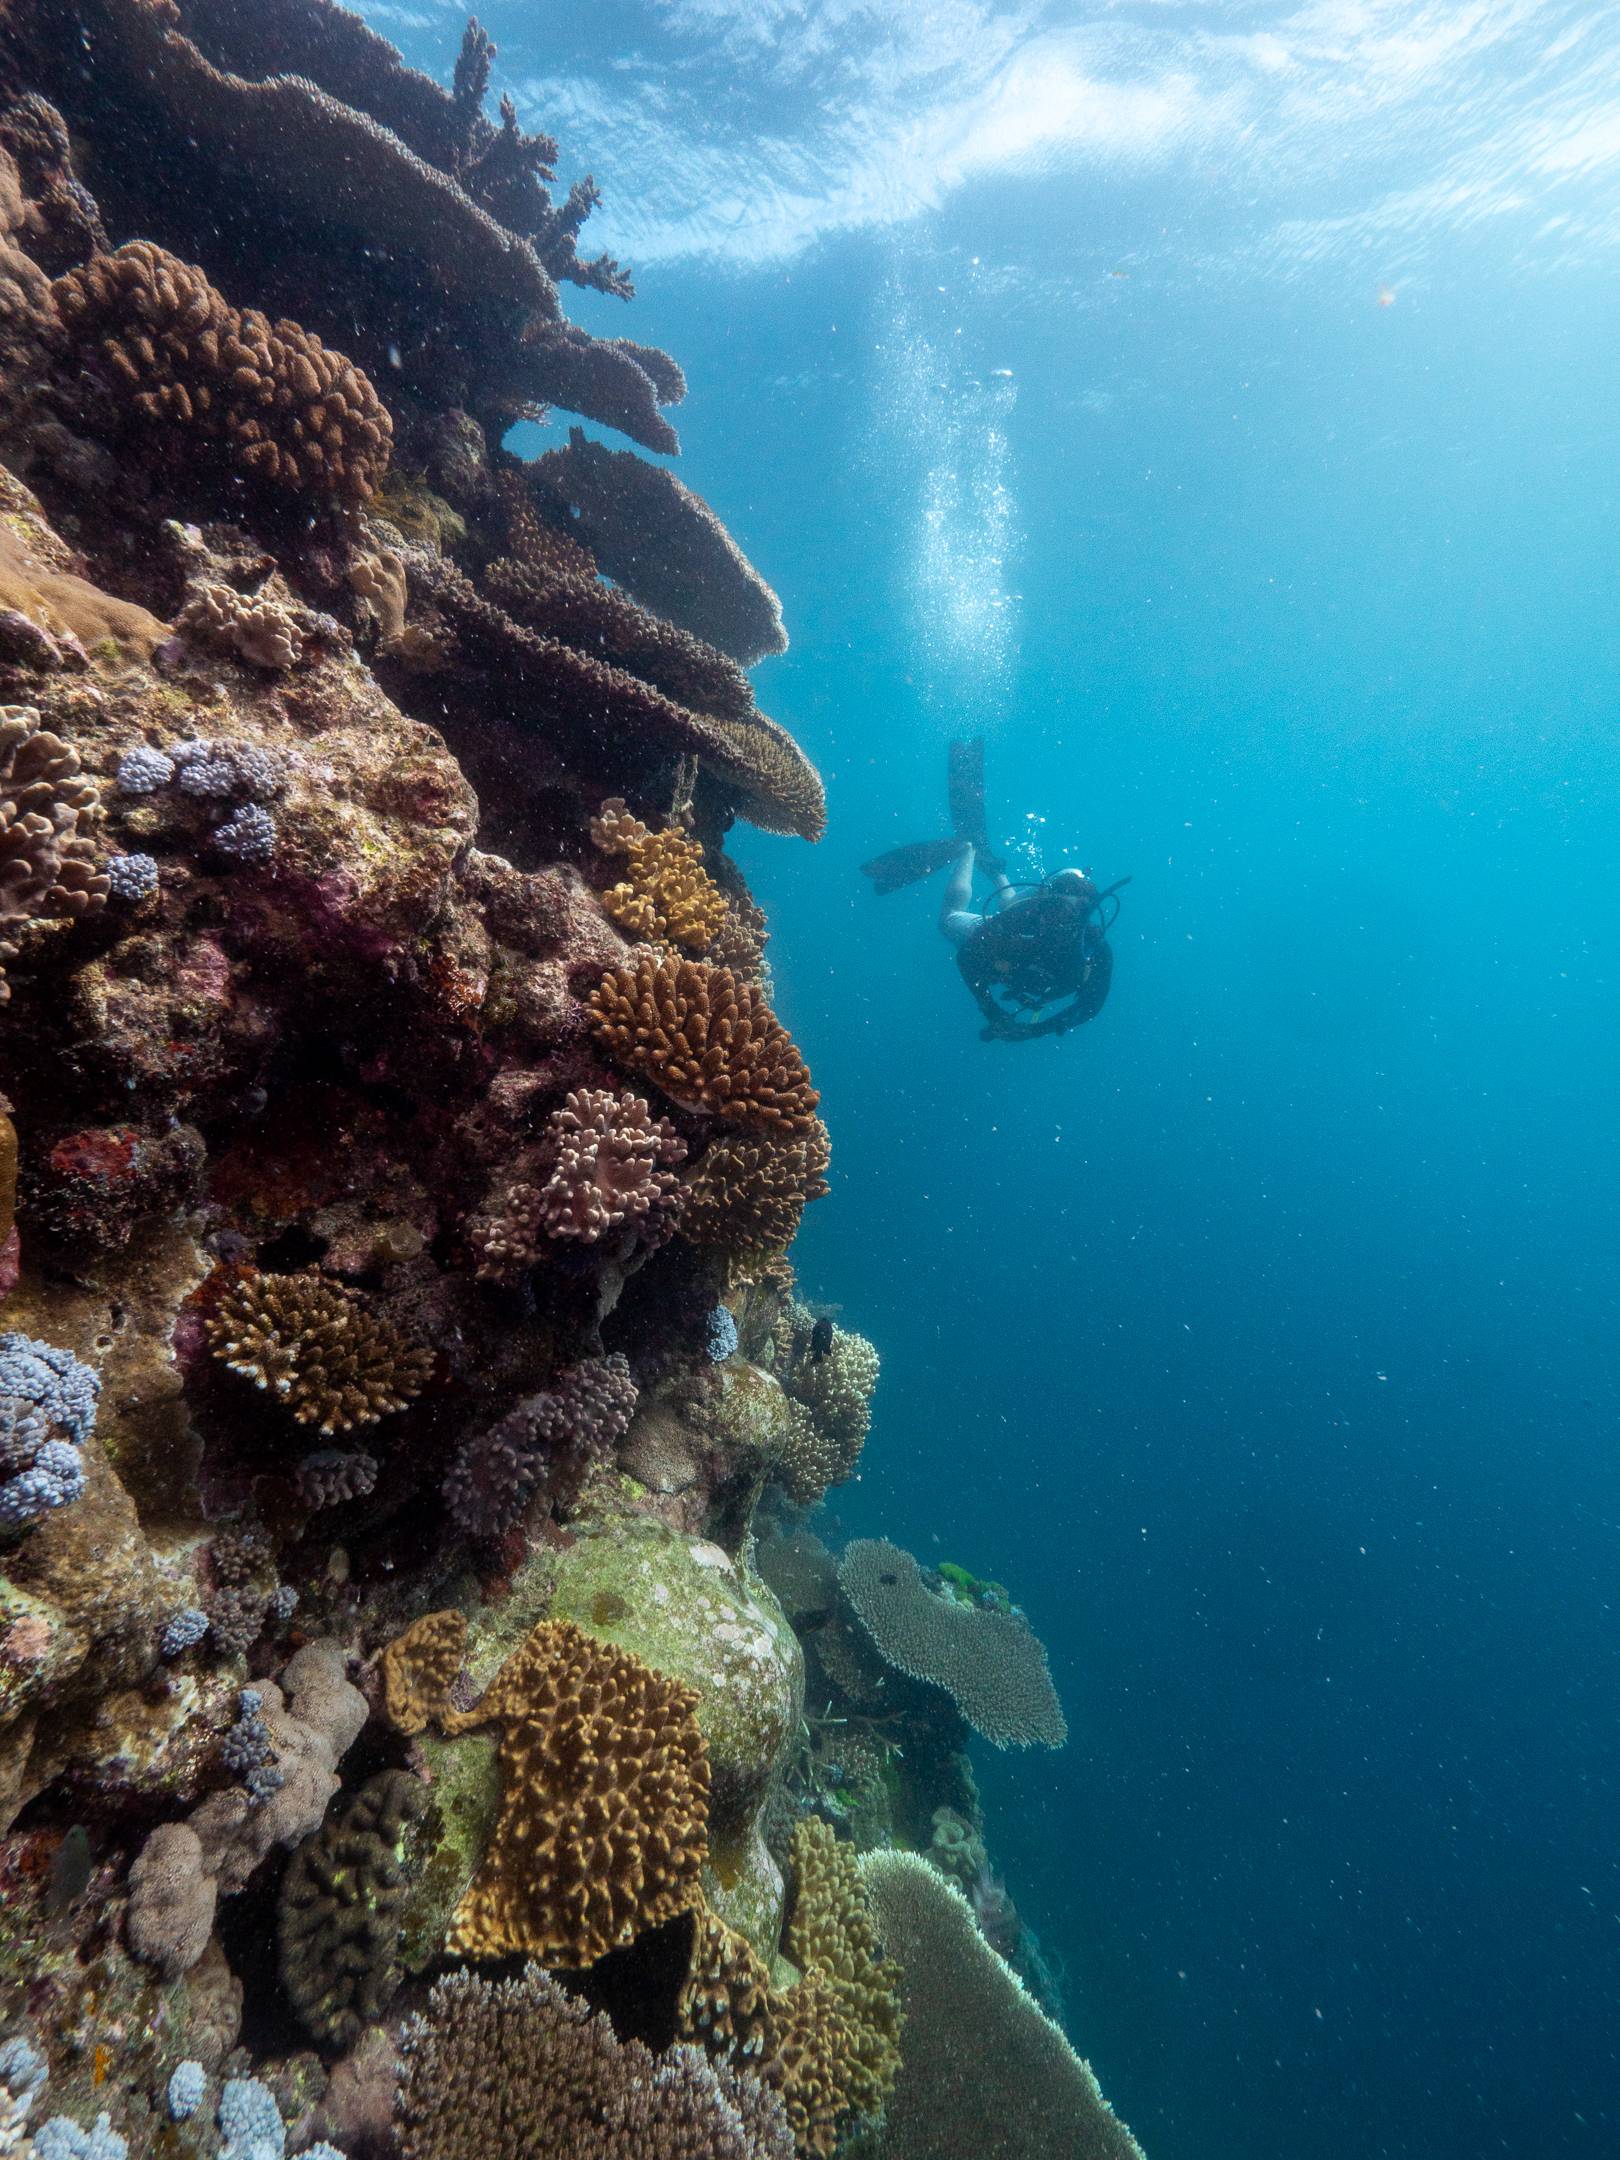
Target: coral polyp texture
[
  {"x": 406, "y": 1409},
  {"x": 604, "y": 1808},
  {"x": 989, "y": 1661},
  {"x": 313, "y": 1346},
  {"x": 514, "y": 2069},
  {"x": 614, "y": 1165},
  {"x": 666, "y": 894},
  {"x": 749, "y": 1192},
  {"x": 982, "y": 2068},
  {"x": 175, "y": 358},
  {"x": 48, "y": 868},
  {"x": 707, "y": 1040}
]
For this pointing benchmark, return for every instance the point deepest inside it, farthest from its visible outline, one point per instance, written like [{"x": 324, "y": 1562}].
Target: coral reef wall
[{"x": 407, "y": 1418}]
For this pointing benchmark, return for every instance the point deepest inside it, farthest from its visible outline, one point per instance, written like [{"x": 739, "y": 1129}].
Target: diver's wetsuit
[{"x": 1039, "y": 965}]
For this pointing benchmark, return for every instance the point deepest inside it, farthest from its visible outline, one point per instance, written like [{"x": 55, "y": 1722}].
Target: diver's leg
[{"x": 959, "y": 885}]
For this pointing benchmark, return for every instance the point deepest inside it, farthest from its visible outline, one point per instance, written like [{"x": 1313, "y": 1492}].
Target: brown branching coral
[
  {"x": 988, "y": 1661},
  {"x": 419, "y": 1669},
  {"x": 725, "y": 2002},
  {"x": 982, "y": 2069},
  {"x": 707, "y": 1040},
  {"x": 748, "y": 1193},
  {"x": 604, "y": 1802},
  {"x": 614, "y": 1167},
  {"x": 667, "y": 894},
  {"x": 831, "y": 1935},
  {"x": 314, "y": 1345},
  {"x": 175, "y": 357},
  {"x": 516, "y": 2069},
  {"x": 47, "y": 863},
  {"x": 663, "y": 544}
]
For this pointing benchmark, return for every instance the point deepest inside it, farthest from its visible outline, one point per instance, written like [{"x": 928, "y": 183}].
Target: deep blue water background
[{"x": 1262, "y": 1336}]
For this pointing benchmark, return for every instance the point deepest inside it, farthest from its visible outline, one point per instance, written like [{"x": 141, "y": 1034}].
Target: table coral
[
  {"x": 990, "y": 1662},
  {"x": 707, "y": 1040},
  {"x": 315, "y": 1347},
  {"x": 604, "y": 1804},
  {"x": 981, "y": 2068},
  {"x": 667, "y": 894}
]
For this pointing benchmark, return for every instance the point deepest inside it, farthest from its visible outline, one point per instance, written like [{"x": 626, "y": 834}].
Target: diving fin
[
  {"x": 965, "y": 785},
  {"x": 909, "y": 865}
]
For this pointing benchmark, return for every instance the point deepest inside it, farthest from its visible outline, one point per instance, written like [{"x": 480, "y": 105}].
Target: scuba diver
[{"x": 1035, "y": 956}]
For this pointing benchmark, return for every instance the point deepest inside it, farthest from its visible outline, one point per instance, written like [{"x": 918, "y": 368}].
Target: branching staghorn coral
[
  {"x": 177, "y": 359},
  {"x": 982, "y": 2069},
  {"x": 47, "y": 862},
  {"x": 614, "y": 1168},
  {"x": 338, "y": 1912},
  {"x": 990, "y": 1662},
  {"x": 513, "y": 2069},
  {"x": 668, "y": 895},
  {"x": 602, "y": 1828},
  {"x": 748, "y": 1193},
  {"x": 314, "y": 1346},
  {"x": 707, "y": 1041}
]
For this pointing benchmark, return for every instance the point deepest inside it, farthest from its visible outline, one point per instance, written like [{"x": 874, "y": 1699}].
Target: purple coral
[
  {"x": 614, "y": 1164},
  {"x": 332, "y": 1475},
  {"x": 143, "y": 770},
  {"x": 720, "y": 1335},
  {"x": 47, "y": 1408},
  {"x": 218, "y": 770},
  {"x": 182, "y": 1630},
  {"x": 247, "y": 1751},
  {"x": 248, "y": 835},
  {"x": 131, "y": 878},
  {"x": 548, "y": 1440}
]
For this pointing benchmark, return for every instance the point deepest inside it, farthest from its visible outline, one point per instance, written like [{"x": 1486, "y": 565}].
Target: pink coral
[{"x": 615, "y": 1165}]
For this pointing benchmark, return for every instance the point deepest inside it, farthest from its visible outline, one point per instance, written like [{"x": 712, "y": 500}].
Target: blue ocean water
[{"x": 1215, "y": 407}]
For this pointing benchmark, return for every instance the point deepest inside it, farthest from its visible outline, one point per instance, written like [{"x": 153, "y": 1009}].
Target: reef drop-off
[{"x": 410, "y": 1430}]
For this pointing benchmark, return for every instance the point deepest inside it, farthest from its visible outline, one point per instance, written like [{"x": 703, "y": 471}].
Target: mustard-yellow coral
[
  {"x": 708, "y": 1040},
  {"x": 748, "y": 1193},
  {"x": 603, "y": 1822},
  {"x": 667, "y": 894},
  {"x": 419, "y": 1669},
  {"x": 832, "y": 1936}
]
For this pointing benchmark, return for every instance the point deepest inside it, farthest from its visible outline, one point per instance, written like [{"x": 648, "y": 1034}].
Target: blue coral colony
[{"x": 430, "y": 1722}]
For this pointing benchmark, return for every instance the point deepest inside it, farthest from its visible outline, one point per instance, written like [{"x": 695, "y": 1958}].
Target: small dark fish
[
  {"x": 820, "y": 1339},
  {"x": 70, "y": 1872}
]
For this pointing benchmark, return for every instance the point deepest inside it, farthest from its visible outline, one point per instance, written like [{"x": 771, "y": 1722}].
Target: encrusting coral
[
  {"x": 667, "y": 893},
  {"x": 513, "y": 2069},
  {"x": 48, "y": 869},
  {"x": 419, "y": 1669},
  {"x": 707, "y": 1040},
  {"x": 990, "y": 1662},
  {"x": 338, "y": 1915},
  {"x": 604, "y": 1807},
  {"x": 313, "y": 1346},
  {"x": 982, "y": 2069},
  {"x": 174, "y": 357}
]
